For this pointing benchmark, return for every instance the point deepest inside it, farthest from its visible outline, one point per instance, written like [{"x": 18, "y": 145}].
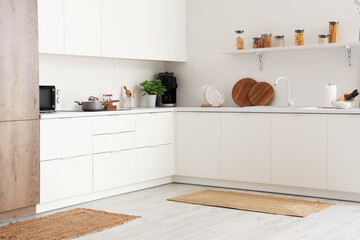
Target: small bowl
[{"x": 342, "y": 104}]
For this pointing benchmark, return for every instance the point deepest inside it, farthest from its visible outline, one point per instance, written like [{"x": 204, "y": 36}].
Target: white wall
[
  {"x": 81, "y": 77},
  {"x": 211, "y": 25}
]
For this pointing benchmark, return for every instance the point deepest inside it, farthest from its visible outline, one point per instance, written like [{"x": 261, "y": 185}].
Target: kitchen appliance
[
  {"x": 50, "y": 98},
  {"x": 169, "y": 98}
]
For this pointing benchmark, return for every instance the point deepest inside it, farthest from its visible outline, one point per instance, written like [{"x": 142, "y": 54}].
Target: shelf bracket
[
  {"x": 349, "y": 54},
  {"x": 261, "y": 62}
]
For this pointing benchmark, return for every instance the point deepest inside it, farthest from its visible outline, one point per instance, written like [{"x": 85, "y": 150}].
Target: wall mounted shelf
[{"x": 348, "y": 46}]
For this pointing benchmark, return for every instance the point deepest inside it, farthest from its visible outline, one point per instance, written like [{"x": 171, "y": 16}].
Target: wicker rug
[
  {"x": 64, "y": 225},
  {"x": 254, "y": 202}
]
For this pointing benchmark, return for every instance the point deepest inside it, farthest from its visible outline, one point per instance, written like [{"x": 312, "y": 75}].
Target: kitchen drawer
[
  {"x": 154, "y": 162},
  {"x": 114, "y": 169},
  {"x": 113, "y": 142},
  {"x": 64, "y": 178},
  {"x": 63, "y": 138},
  {"x": 113, "y": 124},
  {"x": 154, "y": 129}
]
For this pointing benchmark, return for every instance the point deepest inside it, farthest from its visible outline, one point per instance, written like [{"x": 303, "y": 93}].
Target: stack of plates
[{"x": 211, "y": 95}]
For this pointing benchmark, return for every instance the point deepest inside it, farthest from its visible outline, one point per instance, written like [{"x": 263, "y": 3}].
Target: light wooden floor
[{"x": 168, "y": 220}]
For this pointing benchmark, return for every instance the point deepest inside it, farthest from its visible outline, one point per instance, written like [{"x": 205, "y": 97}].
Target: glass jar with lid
[
  {"x": 333, "y": 32},
  {"x": 266, "y": 40},
  {"x": 323, "y": 38},
  {"x": 279, "y": 41},
  {"x": 107, "y": 97},
  {"x": 299, "y": 37},
  {"x": 257, "y": 42},
  {"x": 239, "y": 39}
]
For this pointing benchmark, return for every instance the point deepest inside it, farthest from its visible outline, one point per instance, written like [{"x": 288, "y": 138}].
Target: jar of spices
[
  {"x": 266, "y": 40},
  {"x": 323, "y": 38},
  {"x": 239, "y": 39},
  {"x": 333, "y": 32},
  {"x": 279, "y": 41},
  {"x": 257, "y": 42},
  {"x": 299, "y": 37}
]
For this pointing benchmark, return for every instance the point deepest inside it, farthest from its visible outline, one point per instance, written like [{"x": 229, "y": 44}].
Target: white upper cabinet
[
  {"x": 82, "y": 27},
  {"x": 51, "y": 26},
  {"x": 117, "y": 28},
  {"x": 246, "y": 147},
  {"x": 131, "y": 29},
  {"x": 343, "y": 153},
  {"x": 160, "y": 29},
  {"x": 298, "y": 150}
]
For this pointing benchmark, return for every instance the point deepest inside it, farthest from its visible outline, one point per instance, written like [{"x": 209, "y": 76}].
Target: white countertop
[
  {"x": 74, "y": 113},
  {"x": 260, "y": 109},
  {"x": 272, "y": 109}
]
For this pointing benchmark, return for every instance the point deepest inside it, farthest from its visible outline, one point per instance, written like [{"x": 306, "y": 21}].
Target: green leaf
[{"x": 153, "y": 87}]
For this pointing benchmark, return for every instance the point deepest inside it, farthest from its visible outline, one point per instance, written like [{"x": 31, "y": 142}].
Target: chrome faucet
[{"x": 290, "y": 102}]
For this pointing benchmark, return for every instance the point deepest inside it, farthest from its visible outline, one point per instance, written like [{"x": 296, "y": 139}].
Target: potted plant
[{"x": 151, "y": 89}]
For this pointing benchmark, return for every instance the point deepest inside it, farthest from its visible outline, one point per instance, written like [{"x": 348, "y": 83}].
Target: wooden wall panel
[
  {"x": 19, "y": 60},
  {"x": 19, "y": 164}
]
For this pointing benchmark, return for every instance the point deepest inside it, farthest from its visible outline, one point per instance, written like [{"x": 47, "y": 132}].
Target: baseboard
[
  {"x": 319, "y": 193},
  {"x": 44, "y": 207},
  {"x": 16, "y": 213}
]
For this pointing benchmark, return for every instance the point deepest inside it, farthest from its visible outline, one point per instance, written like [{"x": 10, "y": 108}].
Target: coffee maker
[{"x": 169, "y": 98}]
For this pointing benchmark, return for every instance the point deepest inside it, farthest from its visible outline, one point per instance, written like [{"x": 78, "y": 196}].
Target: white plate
[
  {"x": 201, "y": 94},
  {"x": 214, "y": 96}
]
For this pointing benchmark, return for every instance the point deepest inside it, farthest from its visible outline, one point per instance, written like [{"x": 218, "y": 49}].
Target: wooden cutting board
[
  {"x": 261, "y": 94},
  {"x": 240, "y": 92}
]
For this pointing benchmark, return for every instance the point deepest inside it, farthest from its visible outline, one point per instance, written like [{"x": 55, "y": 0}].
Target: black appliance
[
  {"x": 168, "y": 79},
  {"x": 47, "y": 98}
]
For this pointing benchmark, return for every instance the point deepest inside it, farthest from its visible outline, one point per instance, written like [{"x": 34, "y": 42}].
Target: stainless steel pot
[{"x": 94, "y": 104}]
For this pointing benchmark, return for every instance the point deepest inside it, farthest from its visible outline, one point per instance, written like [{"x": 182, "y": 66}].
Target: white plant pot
[{"x": 150, "y": 101}]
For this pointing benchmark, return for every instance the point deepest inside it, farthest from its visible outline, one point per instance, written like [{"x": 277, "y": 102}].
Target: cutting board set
[{"x": 248, "y": 92}]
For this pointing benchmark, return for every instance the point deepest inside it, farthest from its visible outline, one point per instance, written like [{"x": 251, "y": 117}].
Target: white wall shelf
[{"x": 260, "y": 51}]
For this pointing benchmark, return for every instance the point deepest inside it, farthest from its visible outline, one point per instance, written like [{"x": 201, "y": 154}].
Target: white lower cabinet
[
  {"x": 154, "y": 129},
  {"x": 64, "y": 178},
  {"x": 246, "y": 147},
  {"x": 343, "y": 153},
  {"x": 154, "y": 162},
  {"x": 113, "y": 124},
  {"x": 113, "y": 142},
  {"x": 113, "y": 169},
  {"x": 198, "y": 145},
  {"x": 63, "y": 138},
  {"x": 298, "y": 150}
]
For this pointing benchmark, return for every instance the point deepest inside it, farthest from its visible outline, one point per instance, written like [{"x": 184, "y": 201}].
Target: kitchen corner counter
[{"x": 80, "y": 113}]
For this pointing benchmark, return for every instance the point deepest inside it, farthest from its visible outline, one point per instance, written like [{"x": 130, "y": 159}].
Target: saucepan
[{"x": 94, "y": 104}]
